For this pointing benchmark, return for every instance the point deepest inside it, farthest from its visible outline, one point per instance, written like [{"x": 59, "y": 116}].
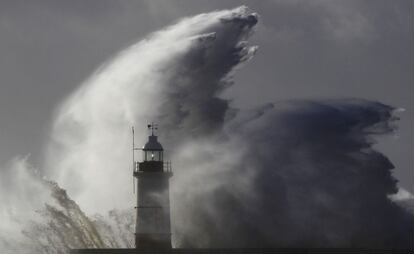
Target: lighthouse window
[{"x": 153, "y": 156}]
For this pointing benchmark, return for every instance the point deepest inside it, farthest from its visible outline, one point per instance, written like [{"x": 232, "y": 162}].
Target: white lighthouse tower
[{"x": 153, "y": 226}]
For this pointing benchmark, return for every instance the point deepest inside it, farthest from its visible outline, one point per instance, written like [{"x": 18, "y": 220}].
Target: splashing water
[
  {"x": 296, "y": 173},
  {"x": 173, "y": 77}
]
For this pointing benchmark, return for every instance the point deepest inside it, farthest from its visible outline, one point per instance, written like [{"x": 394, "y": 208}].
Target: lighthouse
[{"x": 153, "y": 226}]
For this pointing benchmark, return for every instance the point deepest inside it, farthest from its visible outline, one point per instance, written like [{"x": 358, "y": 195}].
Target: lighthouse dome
[{"x": 153, "y": 144}]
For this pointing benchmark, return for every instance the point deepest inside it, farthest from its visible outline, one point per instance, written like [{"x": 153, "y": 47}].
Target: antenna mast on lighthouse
[{"x": 133, "y": 159}]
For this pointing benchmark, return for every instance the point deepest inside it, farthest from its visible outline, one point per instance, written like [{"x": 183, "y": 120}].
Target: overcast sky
[{"x": 307, "y": 49}]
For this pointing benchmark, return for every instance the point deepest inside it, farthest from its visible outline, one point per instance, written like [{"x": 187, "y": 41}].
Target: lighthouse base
[{"x": 153, "y": 241}]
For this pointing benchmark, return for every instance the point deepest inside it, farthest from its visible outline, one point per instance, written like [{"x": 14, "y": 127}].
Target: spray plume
[
  {"x": 172, "y": 77},
  {"x": 296, "y": 173}
]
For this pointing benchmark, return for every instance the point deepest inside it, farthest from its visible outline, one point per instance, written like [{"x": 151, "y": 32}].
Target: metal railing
[{"x": 167, "y": 166}]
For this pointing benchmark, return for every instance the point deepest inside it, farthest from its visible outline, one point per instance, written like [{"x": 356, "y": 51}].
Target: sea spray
[
  {"x": 173, "y": 77},
  {"x": 297, "y": 173},
  {"x": 65, "y": 226}
]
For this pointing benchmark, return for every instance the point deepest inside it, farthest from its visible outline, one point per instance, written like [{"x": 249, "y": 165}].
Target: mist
[{"x": 295, "y": 173}]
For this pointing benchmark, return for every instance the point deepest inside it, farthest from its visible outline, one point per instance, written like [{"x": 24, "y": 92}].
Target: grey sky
[{"x": 308, "y": 49}]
